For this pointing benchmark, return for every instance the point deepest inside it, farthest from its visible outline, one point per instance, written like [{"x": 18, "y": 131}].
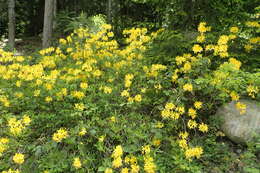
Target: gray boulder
[{"x": 240, "y": 128}]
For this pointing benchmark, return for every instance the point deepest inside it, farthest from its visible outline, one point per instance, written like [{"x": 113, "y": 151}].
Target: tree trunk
[
  {"x": 48, "y": 23},
  {"x": 54, "y": 13},
  {"x": 11, "y": 24},
  {"x": 109, "y": 11}
]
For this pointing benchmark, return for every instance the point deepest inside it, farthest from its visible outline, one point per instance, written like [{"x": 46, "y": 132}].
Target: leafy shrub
[
  {"x": 90, "y": 105},
  {"x": 67, "y": 23}
]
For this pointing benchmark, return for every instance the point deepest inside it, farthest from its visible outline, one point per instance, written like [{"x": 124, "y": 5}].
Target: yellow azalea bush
[{"x": 92, "y": 105}]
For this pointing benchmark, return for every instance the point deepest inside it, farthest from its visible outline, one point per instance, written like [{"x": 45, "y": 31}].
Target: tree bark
[
  {"x": 109, "y": 11},
  {"x": 54, "y": 13},
  {"x": 11, "y": 24},
  {"x": 48, "y": 23}
]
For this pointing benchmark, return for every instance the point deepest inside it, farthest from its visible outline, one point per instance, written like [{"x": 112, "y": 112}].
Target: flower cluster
[
  {"x": 3, "y": 145},
  {"x": 18, "y": 158},
  {"x": 77, "y": 163},
  {"x": 17, "y": 126},
  {"x": 60, "y": 135},
  {"x": 193, "y": 152},
  {"x": 149, "y": 165}
]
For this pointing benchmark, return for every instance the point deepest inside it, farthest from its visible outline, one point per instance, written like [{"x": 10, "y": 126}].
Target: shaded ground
[{"x": 28, "y": 45}]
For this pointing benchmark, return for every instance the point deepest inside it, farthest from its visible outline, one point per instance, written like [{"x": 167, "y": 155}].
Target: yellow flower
[
  {"x": 192, "y": 124},
  {"x": 149, "y": 166},
  {"x": 110, "y": 34},
  {"x": 101, "y": 138},
  {"x": 158, "y": 86},
  {"x": 209, "y": 47},
  {"x": 64, "y": 91},
  {"x": 107, "y": 90},
  {"x": 183, "y": 144},
  {"x": 16, "y": 126},
  {"x": 201, "y": 38},
  {"x": 125, "y": 93},
  {"x": 254, "y": 40},
  {"x": 180, "y": 59},
  {"x": 133, "y": 160},
  {"x": 26, "y": 120},
  {"x": 203, "y": 127},
  {"x": 117, "y": 162},
  {"x": 97, "y": 73},
  {"x": 63, "y": 41},
  {"x": 165, "y": 113},
  {"x": 69, "y": 49},
  {"x": 77, "y": 163},
  {"x": 4, "y": 140},
  {"x": 202, "y": 27},
  {"x": 48, "y": 86},
  {"x": 248, "y": 47},
  {"x": 130, "y": 99},
  {"x": 127, "y": 159},
  {"x": 80, "y": 106},
  {"x": 234, "y": 29},
  {"x": 18, "y": 83},
  {"x": 169, "y": 106},
  {"x": 128, "y": 79},
  {"x": 146, "y": 149},
  {"x": 197, "y": 48},
  {"x": 252, "y": 24},
  {"x": 143, "y": 90},
  {"x": 60, "y": 134},
  {"x": 193, "y": 152},
  {"x": 82, "y": 132},
  {"x": 252, "y": 90},
  {"x": 236, "y": 64},
  {"x": 181, "y": 110},
  {"x": 198, "y": 105},
  {"x": 156, "y": 142},
  {"x": 36, "y": 93},
  {"x": 106, "y": 26},
  {"x": 184, "y": 135},
  {"x": 11, "y": 171},
  {"x": 109, "y": 170},
  {"x": 187, "y": 87},
  {"x": 159, "y": 125},
  {"x": 78, "y": 94},
  {"x": 118, "y": 151},
  {"x": 192, "y": 112},
  {"x": 223, "y": 40},
  {"x": 84, "y": 85},
  {"x": 186, "y": 67},
  {"x": 241, "y": 107},
  {"x": 113, "y": 119},
  {"x": 48, "y": 99},
  {"x": 18, "y": 158},
  {"x": 134, "y": 168},
  {"x": 124, "y": 170},
  {"x": 175, "y": 115},
  {"x": 138, "y": 98},
  {"x": 232, "y": 36},
  {"x": 234, "y": 96}
]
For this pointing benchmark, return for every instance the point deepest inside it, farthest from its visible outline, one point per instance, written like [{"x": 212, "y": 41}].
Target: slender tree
[
  {"x": 54, "y": 13},
  {"x": 110, "y": 11},
  {"x": 48, "y": 23},
  {"x": 11, "y": 24}
]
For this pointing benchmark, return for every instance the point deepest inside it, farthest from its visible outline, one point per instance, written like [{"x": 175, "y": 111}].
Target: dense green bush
[{"x": 89, "y": 105}]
